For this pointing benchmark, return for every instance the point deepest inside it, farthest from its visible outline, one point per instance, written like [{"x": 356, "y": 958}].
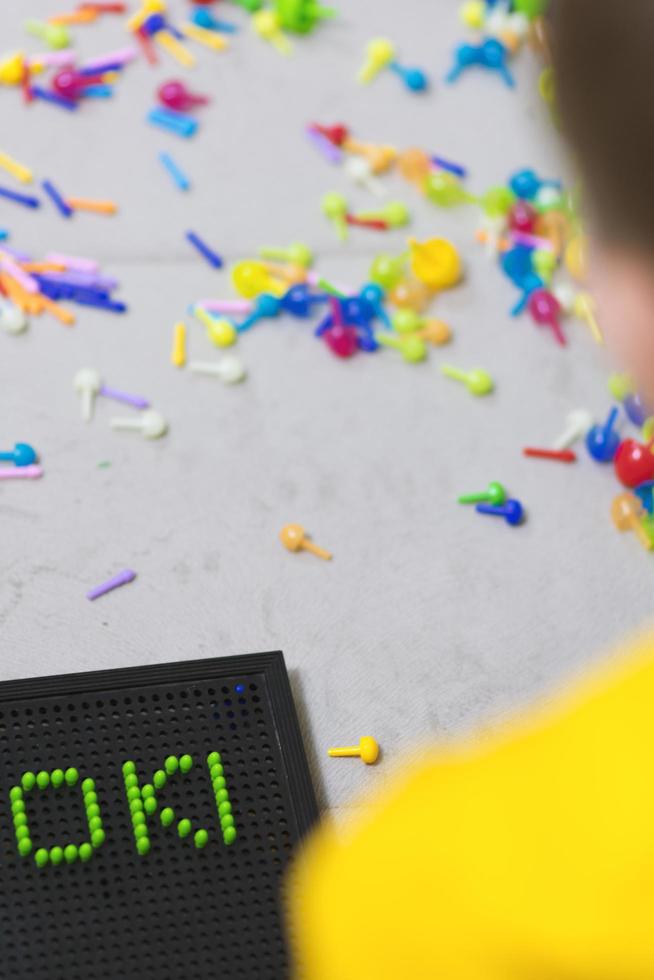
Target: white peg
[
  {"x": 12, "y": 318},
  {"x": 565, "y": 293},
  {"x": 87, "y": 384},
  {"x": 577, "y": 425},
  {"x": 359, "y": 169},
  {"x": 150, "y": 424},
  {"x": 229, "y": 369}
]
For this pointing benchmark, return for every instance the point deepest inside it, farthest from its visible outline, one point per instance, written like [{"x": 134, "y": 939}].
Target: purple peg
[
  {"x": 324, "y": 146},
  {"x": 122, "y": 396},
  {"x": 123, "y": 578}
]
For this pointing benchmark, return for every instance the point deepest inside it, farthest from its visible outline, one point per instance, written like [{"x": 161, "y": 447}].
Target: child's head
[{"x": 603, "y": 54}]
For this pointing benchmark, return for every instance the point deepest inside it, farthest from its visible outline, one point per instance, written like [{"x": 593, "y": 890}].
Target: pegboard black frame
[{"x": 286, "y": 770}]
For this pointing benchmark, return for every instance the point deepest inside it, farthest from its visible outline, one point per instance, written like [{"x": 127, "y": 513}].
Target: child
[{"x": 528, "y": 855}]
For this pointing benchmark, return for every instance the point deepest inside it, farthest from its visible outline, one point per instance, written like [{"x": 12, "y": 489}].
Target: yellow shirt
[{"x": 526, "y": 856}]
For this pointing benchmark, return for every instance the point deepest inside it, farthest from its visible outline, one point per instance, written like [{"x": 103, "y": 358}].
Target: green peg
[
  {"x": 71, "y": 776},
  {"x": 412, "y": 348},
  {"x": 56, "y": 855},
  {"x": 167, "y": 816},
  {"x": 445, "y": 190},
  {"x": 407, "y": 320},
  {"x": 301, "y": 16},
  {"x": 477, "y": 382},
  {"x": 334, "y": 207},
  {"x": 214, "y": 759},
  {"x": 159, "y": 779},
  {"x": 129, "y": 769},
  {"x": 497, "y": 201},
  {"x": 386, "y": 270},
  {"x": 28, "y": 781},
  {"x": 327, "y": 287},
  {"x": 57, "y": 778},
  {"x": 395, "y": 214},
  {"x": 55, "y": 36},
  {"x": 70, "y": 854},
  {"x": 41, "y": 857},
  {"x": 530, "y": 8},
  {"x": 184, "y": 827},
  {"x": 43, "y": 779},
  {"x": 200, "y": 839},
  {"x": 250, "y": 5},
  {"x": 544, "y": 264},
  {"x": 171, "y": 764},
  {"x": 494, "y": 494},
  {"x": 297, "y": 253},
  {"x": 185, "y": 763},
  {"x": 85, "y": 852},
  {"x": 229, "y": 835}
]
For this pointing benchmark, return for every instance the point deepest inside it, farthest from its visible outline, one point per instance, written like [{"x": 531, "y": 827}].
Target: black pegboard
[{"x": 177, "y": 912}]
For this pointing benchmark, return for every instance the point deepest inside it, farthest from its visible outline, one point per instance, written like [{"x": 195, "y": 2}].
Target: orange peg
[
  {"x": 482, "y": 236},
  {"x": 87, "y": 204},
  {"x": 415, "y": 166},
  {"x": 411, "y": 293},
  {"x": 380, "y": 158},
  {"x": 627, "y": 513},
  {"x": 435, "y": 332},
  {"x": 293, "y": 537},
  {"x": 58, "y": 312},
  {"x": 85, "y": 15}
]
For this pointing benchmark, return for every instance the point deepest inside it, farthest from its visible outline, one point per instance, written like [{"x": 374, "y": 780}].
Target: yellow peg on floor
[
  {"x": 293, "y": 537},
  {"x": 178, "y": 353},
  {"x": 16, "y": 169},
  {"x": 367, "y": 750},
  {"x": 210, "y": 39},
  {"x": 583, "y": 306},
  {"x": 170, "y": 44},
  {"x": 379, "y": 53},
  {"x": 266, "y": 24}
]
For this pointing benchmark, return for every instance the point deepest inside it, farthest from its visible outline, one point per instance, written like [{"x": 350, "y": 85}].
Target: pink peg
[
  {"x": 75, "y": 262},
  {"x": 53, "y": 59},
  {"x": 175, "y": 95},
  {"x": 531, "y": 241},
  {"x": 71, "y": 85},
  {"x": 32, "y": 472},
  {"x": 546, "y": 310},
  {"x": 341, "y": 340},
  {"x": 227, "y": 307},
  {"x": 122, "y": 56},
  {"x": 522, "y": 217}
]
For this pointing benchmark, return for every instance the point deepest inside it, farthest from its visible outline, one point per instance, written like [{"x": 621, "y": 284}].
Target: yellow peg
[
  {"x": 380, "y": 158},
  {"x": 251, "y": 278},
  {"x": 182, "y": 55},
  {"x": 435, "y": 262},
  {"x": 367, "y": 750},
  {"x": 16, "y": 169},
  {"x": 293, "y": 537},
  {"x": 178, "y": 353},
  {"x": 11, "y": 69},
  {"x": 379, "y": 53},
  {"x": 220, "y": 332},
  {"x": 583, "y": 306},
  {"x": 210, "y": 39},
  {"x": 575, "y": 258},
  {"x": 266, "y": 25}
]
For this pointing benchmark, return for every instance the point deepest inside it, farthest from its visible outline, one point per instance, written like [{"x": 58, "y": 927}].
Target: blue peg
[
  {"x": 357, "y": 311},
  {"x": 25, "y": 199},
  {"x": 516, "y": 263},
  {"x": 374, "y": 295},
  {"x": 298, "y": 300},
  {"x": 47, "y": 96},
  {"x": 602, "y": 441},
  {"x": 204, "y": 18},
  {"x": 20, "y": 455},
  {"x": 526, "y": 184},
  {"x": 465, "y": 55},
  {"x": 645, "y": 493},
  {"x": 366, "y": 338},
  {"x": 636, "y": 411},
  {"x": 494, "y": 56},
  {"x": 265, "y": 305},
  {"x": 414, "y": 79},
  {"x": 529, "y": 283},
  {"x": 511, "y": 511},
  {"x": 324, "y": 325},
  {"x": 97, "y": 92},
  {"x": 453, "y": 168}
]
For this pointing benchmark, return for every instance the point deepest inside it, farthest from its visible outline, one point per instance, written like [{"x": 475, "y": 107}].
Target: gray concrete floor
[{"x": 430, "y": 620}]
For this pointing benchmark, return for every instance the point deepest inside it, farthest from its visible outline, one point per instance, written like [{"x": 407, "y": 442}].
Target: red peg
[
  {"x": 341, "y": 340},
  {"x": 634, "y": 463},
  {"x": 374, "y": 223},
  {"x": 562, "y": 455},
  {"x": 335, "y": 134},
  {"x": 545, "y": 309},
  {"x": 175, "y": 95}
]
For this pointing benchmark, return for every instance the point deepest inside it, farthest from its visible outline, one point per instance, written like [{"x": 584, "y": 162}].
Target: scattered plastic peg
[
  {"x": 577, "y": 424},
  {"x": 12, "y": 318},
  {"x": 545, "y": 309},
  {"x": 32, "y": 472},
  {"x": 411, "y": 293},
  {"x": 494, "y": 494},
  {"x": 415, "y": 166},
  {"x": 367, "y": 750},
  {"x": 71, "y": 85},
  {"x": 435, "y": 332},
  {"x": 627, "y": 513},
  {"x": 301, "y": 16},
  {"x": 373, "y": 294},
  {"x": 203, "y": 18},
  {"x": 620, "y": 387},
  {"x": 645, "y": 493},
  {"x": 123, "y": 578},
  {"x": 633, "y": 463},
  {"x": 414, "y": 78},
  {"x": 178, "y": 353},
  {"x": 359, "y": 169},
  {"x": 296, "y": 253},
  {"x": 341, "y": 340},
  {"x": 175, "y": 95},
  {"x": 386, "y": 270},
  {"x": 299, "y": 301},
  {"x": 465, "y": 56},
  {"x": 491, "y": 54},
  {"x": 435, "y": 262},
  {"x": 584, "y": 307},
  {"x": 635, "y": 409},
  {"x": 87, "y": 383},
  {"x": 150, "y": 424},
  {"x": 205, "y": 251},
  {"x": 395, "y": 214},
  {"x": 407, "y": 321},
  {"x": 380, "y": 158},
  {"x": 477, "y": 381},
  {"x": 21, "y": 455},
  {"x": 380, "y": 52},
  {"x": 230, "y": 369},
  {"x": 267, "y": 25},
  {"x": 412, "y": 348},
  {"x": 265, "y": 305},
  {"x": 334, "y": 207},
  {"x": 221, "y": 332},
  {"x": 294, "y": 538},
  {"x": 12, "y": 69},
  {"x": 55, "y": 36},
  {"x": 512, "y": 511},
  {"x": 602, "y": 441},
  {"x": 560, "y": 455},
  {"x": 445, "y": 190},
  {"x": 251, "y": 278}
]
